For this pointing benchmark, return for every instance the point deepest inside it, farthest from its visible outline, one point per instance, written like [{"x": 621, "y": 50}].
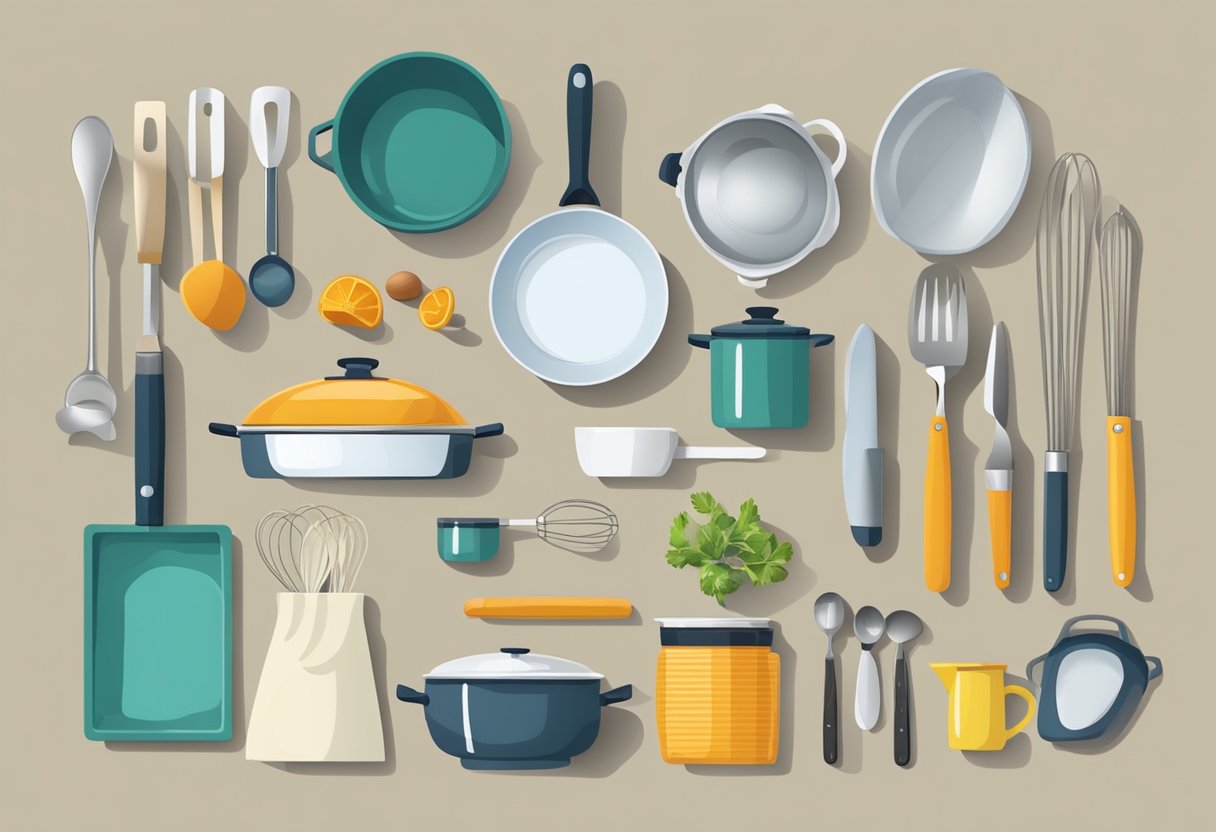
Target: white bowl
[{"x": 951, "y": 162}]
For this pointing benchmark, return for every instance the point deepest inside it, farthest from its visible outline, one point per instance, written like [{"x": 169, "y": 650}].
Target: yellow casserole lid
[{"x": 356, "y": 398}]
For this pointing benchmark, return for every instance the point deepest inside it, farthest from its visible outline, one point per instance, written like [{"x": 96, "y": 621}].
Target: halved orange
[
  {"x": 351, "y": 301},
  {"x": 435, "y": 310}
]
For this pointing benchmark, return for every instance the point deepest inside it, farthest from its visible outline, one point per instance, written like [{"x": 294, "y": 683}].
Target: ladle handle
[
  {"x": 272, "y": 211},
  {"x": 903, "y": 737},
  {"x": 831, "y": 714}
]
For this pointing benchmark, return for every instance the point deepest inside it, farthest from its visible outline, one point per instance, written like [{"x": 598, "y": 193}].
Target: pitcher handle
[
  {"x": 843, "y": 149},
  {"x": 1018, "y": 690}
]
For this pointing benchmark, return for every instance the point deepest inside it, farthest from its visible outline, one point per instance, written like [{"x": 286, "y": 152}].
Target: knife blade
[
  {"x": 863, "y": 459},
  {"x": 998, "y": 470},
  {"x": 150, "y": 177}
]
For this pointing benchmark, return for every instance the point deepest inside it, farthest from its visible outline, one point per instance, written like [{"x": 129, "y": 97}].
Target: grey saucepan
[{"x": 513, "y": 710}]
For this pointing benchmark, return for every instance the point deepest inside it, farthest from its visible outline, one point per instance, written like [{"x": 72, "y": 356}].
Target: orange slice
[
  {"x": 351, "y": 301},
  {"x": 436, "y": 308}
]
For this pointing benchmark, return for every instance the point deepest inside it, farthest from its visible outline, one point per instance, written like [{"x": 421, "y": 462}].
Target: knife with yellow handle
[
  {"x": 1119, "y": 252},
  {"x": 998, "y": 470}
]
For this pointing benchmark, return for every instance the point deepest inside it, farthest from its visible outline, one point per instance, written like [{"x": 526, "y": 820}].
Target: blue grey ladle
[{"x": 271, "y": 279}]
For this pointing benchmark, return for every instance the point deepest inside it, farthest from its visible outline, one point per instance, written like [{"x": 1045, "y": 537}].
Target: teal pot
[
  {"x": 468, "y": 539},
  {"x": 760, "y": 371},
  {"x": 420, "y": 143}
]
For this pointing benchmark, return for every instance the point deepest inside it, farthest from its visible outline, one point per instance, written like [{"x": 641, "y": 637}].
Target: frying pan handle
[
  {"x": 670, "y": 168},
  {"x": 578, "y": 137},
  {"x": 221, "y": 429},
  {"x": 842, "y": 149},
  {"x": 322, "y": 160},
  {"x": 482, "y": 431},
  {"x": 1156, "y": 667}
]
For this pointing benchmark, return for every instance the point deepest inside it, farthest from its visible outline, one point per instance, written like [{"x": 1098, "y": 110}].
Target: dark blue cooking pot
[{"x": 510, "y": 710}]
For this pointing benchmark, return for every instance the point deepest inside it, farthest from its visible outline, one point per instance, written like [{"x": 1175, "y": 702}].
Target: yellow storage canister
[{"x": 718, "y": 692}]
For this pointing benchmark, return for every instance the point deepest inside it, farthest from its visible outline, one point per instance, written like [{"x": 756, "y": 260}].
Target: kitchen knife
[
  {"x": 150, "y": 184},
  {"x": 998, "y": 470},
  {"x": 862, "y": 456}
]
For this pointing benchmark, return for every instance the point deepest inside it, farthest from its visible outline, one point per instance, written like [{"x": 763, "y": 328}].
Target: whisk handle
[
  {"x": 1121, "y": 499},
  {"x": 1055, "y": 527}
]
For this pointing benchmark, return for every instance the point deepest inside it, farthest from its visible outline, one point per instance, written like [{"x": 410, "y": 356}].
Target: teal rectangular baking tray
[{"x": 158, "y": 633}]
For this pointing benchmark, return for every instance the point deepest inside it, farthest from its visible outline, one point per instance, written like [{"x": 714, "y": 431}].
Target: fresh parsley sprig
[{"x": 727, "y": 549}]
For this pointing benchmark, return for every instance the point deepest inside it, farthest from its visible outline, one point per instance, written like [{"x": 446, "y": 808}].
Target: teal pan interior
[{"x": 158, "y": 633}]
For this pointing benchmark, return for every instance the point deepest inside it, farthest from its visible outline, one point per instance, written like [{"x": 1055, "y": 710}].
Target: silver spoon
[
  {"x": 868, "y": 625},
  {"x": 89, "y": 403},
  {"x": 829, "y": 615},
  {"x": 902, "y": 627}
]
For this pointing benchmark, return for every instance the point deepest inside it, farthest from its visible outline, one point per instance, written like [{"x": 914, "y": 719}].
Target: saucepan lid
[{"x": 513, "y": 663}]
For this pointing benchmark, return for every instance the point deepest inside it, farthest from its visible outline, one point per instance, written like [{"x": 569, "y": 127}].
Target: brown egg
[{"x": 403, "y": 286}]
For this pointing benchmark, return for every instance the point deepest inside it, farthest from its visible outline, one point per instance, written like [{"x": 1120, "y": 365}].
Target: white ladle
[{"x": 90, "y": 402}]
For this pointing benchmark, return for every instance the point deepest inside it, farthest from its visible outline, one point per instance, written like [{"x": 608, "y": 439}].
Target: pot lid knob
[
  {"x": 762, "y": 315},
  {"x": 356, "y": 367},
  {"x": 515, "y": 651}
]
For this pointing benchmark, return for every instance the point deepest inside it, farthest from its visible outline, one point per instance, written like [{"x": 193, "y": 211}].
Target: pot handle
[
  {"x": 482, "y": 431},
  {"x": 1155, "y": 671},
  {"x": 320, "y": 159},
  {"x": 1033, "y": 663},
  {"x": 830, "y": 127},
  {"x": 408, "y": 694},
  {"x": 221, "y": 429},
  {"x": 821, "y": 339},
  {"x": 611, "y": 697},
  {"x": 670, "y": 168},
  {"x": 701, "y": 341},
  {"x": 1066, "y": 630}
]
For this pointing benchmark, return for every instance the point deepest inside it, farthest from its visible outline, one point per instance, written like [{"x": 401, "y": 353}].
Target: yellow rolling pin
[
  {"x": 548, "y": 607},
  {"x": 1119, "y": 254}
]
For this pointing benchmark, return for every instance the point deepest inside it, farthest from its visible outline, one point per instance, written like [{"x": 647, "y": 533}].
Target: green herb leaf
[
  {"x": 705, "y": 503},
  {"x": 749, "y": 515},
  {"x": 768, "y": 568},
  {"x": 711, "y": 541},
  {"x": 686, "y": 556},
  {"x": 720, "y": 580},
  {"x": 679, "y": 531}
]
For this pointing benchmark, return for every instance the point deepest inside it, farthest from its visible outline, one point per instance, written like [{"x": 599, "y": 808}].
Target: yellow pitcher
[{"x": 977, "y": 705}]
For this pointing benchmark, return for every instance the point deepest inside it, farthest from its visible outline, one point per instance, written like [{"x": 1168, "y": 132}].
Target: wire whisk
[
  {"x": 1119, "y": 254},
  {"x": 312, "y": 548},
  {"x": 578, "y": 526}
]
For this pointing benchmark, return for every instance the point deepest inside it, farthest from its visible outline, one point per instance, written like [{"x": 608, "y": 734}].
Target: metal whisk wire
[
  {"x": 1067, "y": 225},
  {"x": 577, "y": 525},
  {"x": 1119, "y": 254}
]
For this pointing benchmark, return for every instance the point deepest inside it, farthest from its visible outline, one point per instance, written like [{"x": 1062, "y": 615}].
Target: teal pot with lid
[{"x": 760, "y": 370}]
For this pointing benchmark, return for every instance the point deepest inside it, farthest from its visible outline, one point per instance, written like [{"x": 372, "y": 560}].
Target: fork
[{"x": 937, "y": 336}]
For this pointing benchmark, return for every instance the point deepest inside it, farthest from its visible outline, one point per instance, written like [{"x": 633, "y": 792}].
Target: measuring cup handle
[
  {"x": 836, "y": 133},
  {"x": 1018, "y": 690},
  {"x": 702, "y": 452},
  {"x": 320, "y": 159}
]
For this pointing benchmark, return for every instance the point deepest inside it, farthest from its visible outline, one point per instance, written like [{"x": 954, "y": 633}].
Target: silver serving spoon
[
  {"x": 902, "y": 627},
  {"x": 829, "y": 615},
  {"x": 868, "y": 625},
  {"x": 89, "y": 403}
]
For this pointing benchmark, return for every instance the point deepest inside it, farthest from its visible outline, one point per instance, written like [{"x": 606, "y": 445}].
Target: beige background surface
[{"x": 1129, "y": 86}]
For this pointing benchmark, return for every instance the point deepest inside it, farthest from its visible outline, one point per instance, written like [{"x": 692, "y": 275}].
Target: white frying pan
[{"x": 579, "y": 296}]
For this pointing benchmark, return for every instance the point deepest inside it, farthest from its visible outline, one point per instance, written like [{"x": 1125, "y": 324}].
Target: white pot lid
[
  {"x": 512, "y": 663},
  {"x": 717, "y": 623}
]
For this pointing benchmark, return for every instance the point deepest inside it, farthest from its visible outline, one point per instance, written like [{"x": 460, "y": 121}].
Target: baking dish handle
[
  {"x": 1066, "y": 630},
  {"x": 670, "y": 168},
  {"x": 1155, "y": 671},
  {"x": 1031, "y": 665},
  {"x": 482, "y": 431},
  {"x": 221, "y": 429}
]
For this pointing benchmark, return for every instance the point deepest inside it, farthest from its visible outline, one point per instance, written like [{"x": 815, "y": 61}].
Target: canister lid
[
  {"x": 715, "y": 632},
  {"x": 763, "y": 323},
  {"x": 513, "y": 663}
]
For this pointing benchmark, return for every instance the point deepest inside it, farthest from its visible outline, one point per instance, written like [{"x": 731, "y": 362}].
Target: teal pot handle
[
  {"x": 820, "y": 340},
  {"x": 408, "y": 694},
  {"x": 702, "y": 341},
  {"x": 611, "y": 697},
  {"x": 322, "y": 160}
]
